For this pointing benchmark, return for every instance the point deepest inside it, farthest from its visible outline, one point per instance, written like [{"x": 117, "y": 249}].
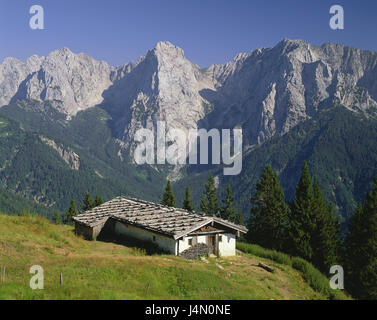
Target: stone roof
[{"x": 155, "y": 217}]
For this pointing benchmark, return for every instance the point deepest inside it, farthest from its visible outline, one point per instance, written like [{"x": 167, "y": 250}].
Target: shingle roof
[{"x": 174, "y": 222}]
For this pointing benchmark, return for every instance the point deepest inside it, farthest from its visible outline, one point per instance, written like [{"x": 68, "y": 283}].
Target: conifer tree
[
  {"x": 87, "y": 202},
  {"x": 97, "y": 201},
  {"x": 168, "y": 198},
  {"x": 72, "y": 211},
  {"x": 268, "y": 221},
  {"x": 187, "y": 203},
  {"x": 228, "y": 211},
  {"x": 302, "y": 220},
  {"x": 209, "y": 203},
  {"x": 361, "y": 244},
  {"x": 57, "y": 218},
  {"x": 325, "y": 239},
  {"x": 355, "y": 237},
  {"x": 238, "y": 218}
]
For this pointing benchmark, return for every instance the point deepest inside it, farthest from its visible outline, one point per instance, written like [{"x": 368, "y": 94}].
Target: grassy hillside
[{"x": 97, "y": 270}]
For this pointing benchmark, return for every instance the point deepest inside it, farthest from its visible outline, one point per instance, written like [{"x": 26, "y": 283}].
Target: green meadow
[{"x": 99, "y": 270}]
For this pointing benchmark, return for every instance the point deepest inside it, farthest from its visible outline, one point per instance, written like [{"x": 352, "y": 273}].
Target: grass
[
  {"x": 311, "y": 275},
  {"x": 100, "y": 270}
]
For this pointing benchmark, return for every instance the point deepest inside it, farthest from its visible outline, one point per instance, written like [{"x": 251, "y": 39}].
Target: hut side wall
[
  {"x": 165, "y": 243},
  {"x": 89, "y": 233},
  {"x": 227, "y": 245},
  {"x": 98, "y": 228},
  {"x": 86, "y": 232}
]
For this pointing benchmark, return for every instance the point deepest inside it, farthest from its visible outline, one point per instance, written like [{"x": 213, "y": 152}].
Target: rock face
[
  {"x": 163, "y": 86},
  {"x": 12, "y": 73},
  {"x": 271, "y": 90},
  {"x": 73, "y": 81},
  {"x": 266, "y": 91},
  {"x": 71, "y": 158}
]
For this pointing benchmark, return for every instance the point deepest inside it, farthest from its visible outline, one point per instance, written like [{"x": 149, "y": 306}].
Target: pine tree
[
  {"x": 87, "y": 202},
  {"x": 97, "y": 201},
  {"x": 268, "y": 221},
  {"x": 209, "y": 203},
  {"x": 187, "y": 203},
  {"x": 302, "y": 221},
  {"x": 354, "y": 251},
  {"x": 168, "y": 199},
  {"x": 72, "y": 211},
  {"x": 228, "y": 211},
  {"x": 361, "y": 244},
  {"x": 238, "y": 218},
  {"x": 325, "y": 239},
  {"x": 57, "y": 218}
]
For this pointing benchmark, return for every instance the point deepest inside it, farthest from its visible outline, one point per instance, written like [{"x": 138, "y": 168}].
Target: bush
[{"x": 258, "y": 251}]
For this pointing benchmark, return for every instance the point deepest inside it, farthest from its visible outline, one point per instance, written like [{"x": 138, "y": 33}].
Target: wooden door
[{"x": 212, "y": 244}]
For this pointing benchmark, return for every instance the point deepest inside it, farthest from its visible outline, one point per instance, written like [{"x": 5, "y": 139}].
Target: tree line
[
  {"x": 209, "y": 203},
  {"x": 87, "y": 204},
  {"x": 307, "y": 227}
]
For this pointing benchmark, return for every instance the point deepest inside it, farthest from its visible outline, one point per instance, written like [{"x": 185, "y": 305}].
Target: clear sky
[{"x": 209, "y": 31}]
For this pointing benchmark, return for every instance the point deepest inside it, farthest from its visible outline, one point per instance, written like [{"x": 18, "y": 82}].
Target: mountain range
[{"x": 85, "y": 113}]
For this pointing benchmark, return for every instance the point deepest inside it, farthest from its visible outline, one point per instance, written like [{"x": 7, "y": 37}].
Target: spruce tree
[
  {"x": 238, "y": 218},
  {"x": 209, "y": 203},
  {"x": 87, "y": 202},
  {"x": 187, "y": 203},
  {"x": 302, "y": 220},
  {"x": 228, "y": 211},
  {"x": 97, "y": 201},
  {"x": 268, "y": 220},
  {"x": 354, "y": 251},
  {"x": 361, "y": 251},
  {"x": 325, "y": 239},
  {"x": 72, "y": 211},
  {"x": 57, "y": 218},
  {"x": 168, "y": 198}
]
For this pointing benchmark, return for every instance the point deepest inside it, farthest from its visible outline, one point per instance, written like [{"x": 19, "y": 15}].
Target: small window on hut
[
  {"x": 190, "y": 242},
  {"x": 154, "y": 238}
]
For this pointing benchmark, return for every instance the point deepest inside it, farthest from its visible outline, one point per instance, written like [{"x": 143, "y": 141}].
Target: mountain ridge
[{"x": 266, "y": 91}]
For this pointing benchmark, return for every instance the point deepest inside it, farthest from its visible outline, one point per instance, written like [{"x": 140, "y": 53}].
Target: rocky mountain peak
[
  {"x": 73, "y": 81},
  {"x": 276, "y": 88},
  {"x": 167, "y": 48},
  {"x": 167, "y": 55},
  {"x": 35, "y": 61},
  {"x": 162, "y": 86},
  {"x": 64, "y": 52},
  {"x": 266, "y": 91}
]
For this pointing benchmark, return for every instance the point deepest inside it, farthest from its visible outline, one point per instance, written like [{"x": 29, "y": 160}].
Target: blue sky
[{"x": 209, "y": 31}]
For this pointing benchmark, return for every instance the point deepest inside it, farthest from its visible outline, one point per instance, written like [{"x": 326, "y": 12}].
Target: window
[
  {"x": 220, "y": 238},
  {"x": 190, "y": 242},
  {"x": 154, "y": 238}
]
